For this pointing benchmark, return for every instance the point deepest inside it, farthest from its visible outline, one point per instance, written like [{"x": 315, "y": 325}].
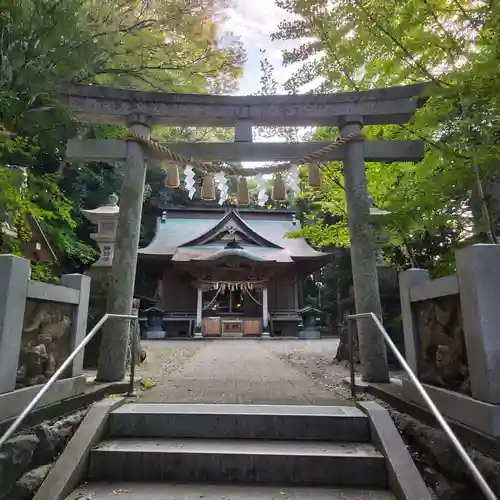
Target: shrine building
[{"x": 229, "y": 272}]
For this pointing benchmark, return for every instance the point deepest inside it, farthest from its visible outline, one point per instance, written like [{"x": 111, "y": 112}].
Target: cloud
[{"x": 254, "y": 21}]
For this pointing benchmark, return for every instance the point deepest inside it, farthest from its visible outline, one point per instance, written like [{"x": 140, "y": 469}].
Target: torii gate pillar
[
  {"x": 372, "y": 349},
  {"x": 111, "y": 366}
]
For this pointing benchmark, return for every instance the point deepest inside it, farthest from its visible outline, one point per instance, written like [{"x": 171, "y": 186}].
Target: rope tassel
[
  {"x": 208, "y": 188},
  {"x": 173, "y": 178},
  {"x": 242, "y": 195},
  {"x": 315, "y": 176},
  {"x": 279, "y": 189}
]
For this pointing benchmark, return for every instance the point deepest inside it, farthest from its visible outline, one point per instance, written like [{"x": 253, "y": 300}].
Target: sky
[{"x": 254, "y": 21}]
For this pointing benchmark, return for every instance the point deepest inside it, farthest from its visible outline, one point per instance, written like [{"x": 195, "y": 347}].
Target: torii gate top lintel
[{"x": 99, "y": 104}]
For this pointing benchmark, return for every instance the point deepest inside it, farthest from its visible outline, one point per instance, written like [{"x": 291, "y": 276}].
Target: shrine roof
[{"x": 194, "y": 235}]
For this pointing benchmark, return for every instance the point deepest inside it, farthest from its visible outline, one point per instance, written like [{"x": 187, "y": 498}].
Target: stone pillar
[
  {"x": 199, "y": 307},
  {"x": 14, "y": 277},
  {"x": 79, "y": 323},
  {"x": 408, "y": 279},
  {"x": 366, "y": 293},
  {"x": 265, "y": 313},
  {"x": 478, "y": 269},
  {"x": 113, "y": 351}
]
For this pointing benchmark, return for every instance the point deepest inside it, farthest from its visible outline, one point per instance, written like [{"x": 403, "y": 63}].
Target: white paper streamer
[
  {"x": 189, "y": 181},
  {"x": 261, "y": 185},
  {"x": 223, "y": 187},
  {"x": 294, "y": 180}
]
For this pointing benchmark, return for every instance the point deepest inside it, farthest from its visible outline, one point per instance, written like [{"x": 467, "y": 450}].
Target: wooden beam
[
  {"x": 98, "y": 104},
  {"x": 113, "y": 150}
]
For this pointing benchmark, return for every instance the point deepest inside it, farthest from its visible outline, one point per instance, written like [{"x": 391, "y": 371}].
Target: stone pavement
[{"x": 236, "y": 371}]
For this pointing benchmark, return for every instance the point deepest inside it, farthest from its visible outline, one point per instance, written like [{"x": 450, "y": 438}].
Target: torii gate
[{"x": 348, "y": 111}]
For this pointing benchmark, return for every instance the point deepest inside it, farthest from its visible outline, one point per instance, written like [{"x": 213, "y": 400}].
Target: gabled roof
[
  {"x": 46, "y": 252},
  {"x": 200, "y": 235},
  {"x": 231, "y": 222}
]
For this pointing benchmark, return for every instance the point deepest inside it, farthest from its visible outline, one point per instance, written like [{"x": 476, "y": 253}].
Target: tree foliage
[
  {"x": 171, "y": 45},
  {"x": 452, "y": 44}
]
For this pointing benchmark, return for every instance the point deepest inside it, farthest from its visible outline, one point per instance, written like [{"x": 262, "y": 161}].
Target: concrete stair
[
  {"x": 161, "y": 491},
  {"x": 255, "y": 451}
]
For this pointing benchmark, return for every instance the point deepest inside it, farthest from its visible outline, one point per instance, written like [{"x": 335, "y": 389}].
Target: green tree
[
  {"x": 357, "y": 45},
  {"x": 171, "y": 45}
]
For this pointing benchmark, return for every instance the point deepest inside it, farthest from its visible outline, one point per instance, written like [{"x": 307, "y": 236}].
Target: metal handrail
[
  {"x": 478, "y": 477},
  {"x": 15, "y": 425}
]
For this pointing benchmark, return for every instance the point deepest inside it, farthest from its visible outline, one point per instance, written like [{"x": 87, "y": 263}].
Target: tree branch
[{"x": 410, "y": 57}]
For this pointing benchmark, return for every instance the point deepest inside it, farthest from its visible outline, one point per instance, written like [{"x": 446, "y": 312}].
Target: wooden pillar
[
  {"x": 265, "y": 313},
  {"x": 372, "y": 348},
  {"x": 113, "y": 352},
  {"x": 199, "y": 307}
]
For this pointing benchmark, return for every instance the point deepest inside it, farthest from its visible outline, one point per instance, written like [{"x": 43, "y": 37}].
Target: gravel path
[
  {"x": 316, "y": 359},
  {"x": 235, "y": 371},
  {"x": 165, "y": 357}
]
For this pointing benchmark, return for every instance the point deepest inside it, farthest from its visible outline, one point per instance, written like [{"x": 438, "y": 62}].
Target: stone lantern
[
  {"x": 387, "y": 283},
  {"x": 106, "y": 218},
  {"x": 377, "y": 217}
]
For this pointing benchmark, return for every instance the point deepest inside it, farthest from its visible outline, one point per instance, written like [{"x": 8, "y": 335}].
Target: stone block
[
  {"x": 407, "y": 279},
  {"x": 223, "y": 421},
  {"x": 79, "y": 323},
  {"x": 15, "y": 459},
  {"x": 404, "y": 478},
  {"x": 14, "y": 277},
  {"x": 270, "y": 462},
  {"x": 13, "y": 403},
  {"x": 309, "y": 333},
  {"x": 71, "y": 467},
  {"x": 477, "y": 415},
  {"x": 478, "y": 268}
]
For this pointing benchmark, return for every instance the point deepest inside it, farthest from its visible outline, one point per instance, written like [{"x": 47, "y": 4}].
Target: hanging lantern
[
  {"x": 173, "y": 178},
  {"x": 242, "y": 195},
  {"x": 208, "y": 188},
  {"x": 279, "y": 189},
  {"x": 315, "y": 176}
]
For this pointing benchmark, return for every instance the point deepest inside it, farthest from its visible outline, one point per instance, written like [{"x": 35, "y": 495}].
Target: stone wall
[
  {"x": 27, "y": 458},
  {"x": 40, "y": 324},
  {"x": 452, "y": 339},
  {"x": 441, "y": 467}
]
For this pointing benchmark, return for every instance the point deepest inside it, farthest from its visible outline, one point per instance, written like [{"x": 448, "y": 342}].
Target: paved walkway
[{"x": 236, "y": 371}]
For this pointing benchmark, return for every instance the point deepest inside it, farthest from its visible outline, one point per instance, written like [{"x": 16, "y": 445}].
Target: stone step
[
  {"x": 165, "y": 491},
  {"x": 304, "y": 463},
  {"x": 325, "y": 423}
]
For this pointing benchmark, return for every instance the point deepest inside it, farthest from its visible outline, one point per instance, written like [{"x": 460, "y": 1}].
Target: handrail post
[
  {"x": 131, "y": 387},
  {"x": 352, "y": 368},
  {"x": 476, "y": 474}
]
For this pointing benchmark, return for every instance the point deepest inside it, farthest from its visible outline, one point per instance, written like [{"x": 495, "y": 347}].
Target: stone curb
[
  {"x": 71, "y": 467},
  {"x": 405, "y": 481}
]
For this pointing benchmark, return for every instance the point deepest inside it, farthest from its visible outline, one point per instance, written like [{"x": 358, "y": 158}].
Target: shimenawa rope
[{"x": 164, "y": 152}]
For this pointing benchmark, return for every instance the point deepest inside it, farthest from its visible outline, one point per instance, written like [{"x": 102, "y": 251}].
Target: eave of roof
[{"x": 185, "y": 232}]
